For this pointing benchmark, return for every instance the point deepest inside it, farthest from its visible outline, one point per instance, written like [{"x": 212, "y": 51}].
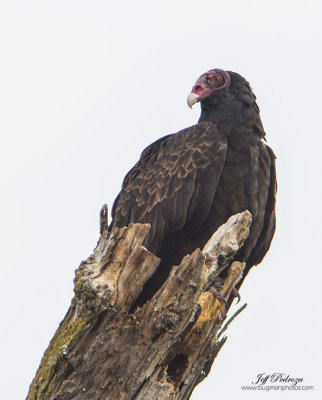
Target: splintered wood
[{"x": 162, "y": 350}]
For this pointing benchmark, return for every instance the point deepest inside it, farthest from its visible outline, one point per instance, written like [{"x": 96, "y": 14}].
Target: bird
[{"x": 187, "y": 184}]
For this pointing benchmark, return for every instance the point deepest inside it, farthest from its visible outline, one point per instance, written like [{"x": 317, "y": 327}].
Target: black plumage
[{"x": 187, "y": 184}]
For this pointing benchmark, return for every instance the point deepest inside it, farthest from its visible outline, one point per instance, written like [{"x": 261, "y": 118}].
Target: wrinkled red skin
[{"x": 205, "y": 89}]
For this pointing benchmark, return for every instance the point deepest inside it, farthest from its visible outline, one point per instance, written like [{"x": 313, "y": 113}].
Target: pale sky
[{"x": 85, "y": 86}]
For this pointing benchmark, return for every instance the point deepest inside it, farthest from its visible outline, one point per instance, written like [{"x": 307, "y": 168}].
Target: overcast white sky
[{"x": 84, "y": 87}]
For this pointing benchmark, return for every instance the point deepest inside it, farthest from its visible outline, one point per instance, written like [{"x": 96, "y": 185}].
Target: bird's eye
[{"x": 216, "y": 79}]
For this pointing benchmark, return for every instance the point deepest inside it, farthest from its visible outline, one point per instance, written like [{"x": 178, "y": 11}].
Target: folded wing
[{"x": 174, "y": 183}]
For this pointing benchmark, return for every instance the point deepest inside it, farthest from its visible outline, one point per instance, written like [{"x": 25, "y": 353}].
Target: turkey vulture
[{"x": 189, "y": 183}]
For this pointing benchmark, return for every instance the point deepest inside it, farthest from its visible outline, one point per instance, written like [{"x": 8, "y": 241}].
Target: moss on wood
[{"x": 66, "y": 334}]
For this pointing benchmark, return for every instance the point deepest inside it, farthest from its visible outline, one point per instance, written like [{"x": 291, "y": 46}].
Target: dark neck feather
[{"x": 235, "y": 112}]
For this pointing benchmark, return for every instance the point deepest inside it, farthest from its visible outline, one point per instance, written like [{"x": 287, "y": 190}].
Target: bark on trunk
[{"x": 162, "y": 350}]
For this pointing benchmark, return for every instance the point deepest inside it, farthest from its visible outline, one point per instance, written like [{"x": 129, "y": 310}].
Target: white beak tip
[{"x": 192, "y": 99}]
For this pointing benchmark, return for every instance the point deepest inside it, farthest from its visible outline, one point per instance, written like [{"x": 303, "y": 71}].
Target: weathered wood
[{"x": 162, "y": 350}]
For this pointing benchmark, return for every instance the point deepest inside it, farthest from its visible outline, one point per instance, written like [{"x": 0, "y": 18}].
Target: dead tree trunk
[{"x": 160, "y": 351}]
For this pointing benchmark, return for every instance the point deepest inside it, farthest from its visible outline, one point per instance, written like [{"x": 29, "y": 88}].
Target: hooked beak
[{"x": 192, "y": 99}]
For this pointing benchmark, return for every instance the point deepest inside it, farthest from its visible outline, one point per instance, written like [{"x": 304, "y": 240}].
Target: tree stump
[{"x": 104, "y": 350}]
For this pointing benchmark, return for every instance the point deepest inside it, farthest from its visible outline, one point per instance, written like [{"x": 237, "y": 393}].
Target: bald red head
[{"x": 208, "y": 83}]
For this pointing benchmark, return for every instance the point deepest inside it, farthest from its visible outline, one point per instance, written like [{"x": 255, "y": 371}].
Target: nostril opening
[{"x": 197, "y": 89}]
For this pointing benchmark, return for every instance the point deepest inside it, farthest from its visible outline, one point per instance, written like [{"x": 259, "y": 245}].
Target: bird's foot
[
  {"x": 214, "y": 290},
  {"x": 218, "y": 283},
  {"x": 235, "y": 293}
]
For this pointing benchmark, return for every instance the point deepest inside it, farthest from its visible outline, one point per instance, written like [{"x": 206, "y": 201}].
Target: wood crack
[{"x": 160, "y": 351}]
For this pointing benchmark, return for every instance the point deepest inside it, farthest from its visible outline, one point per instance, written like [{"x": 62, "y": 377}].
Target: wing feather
[
  {"x": 267, "y": 233},
  {"x": 173, "y": 183}
]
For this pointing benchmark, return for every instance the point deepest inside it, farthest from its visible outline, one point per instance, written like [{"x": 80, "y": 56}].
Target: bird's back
[{"x": 173, "y": 184}]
